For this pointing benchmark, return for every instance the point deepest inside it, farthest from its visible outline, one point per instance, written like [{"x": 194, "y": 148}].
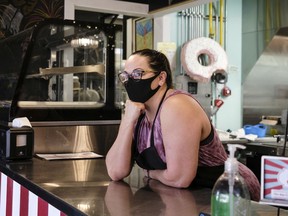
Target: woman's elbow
[
  {"x": 182, "y": 181},
  {"x": 187, "y": 178},
  {"x": 116, "y": 173},
  {"x": 116, "y": 176}
]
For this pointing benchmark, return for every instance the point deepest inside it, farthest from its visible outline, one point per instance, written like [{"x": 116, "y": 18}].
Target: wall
[
  {"x": 229, "y": 115},
  {"x": 18, "y": 15}
]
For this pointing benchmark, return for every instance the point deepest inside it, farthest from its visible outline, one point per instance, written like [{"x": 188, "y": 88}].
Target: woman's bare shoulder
[
  {"x": 183, "y": 109},
  {"x": 181, "y": 101}
]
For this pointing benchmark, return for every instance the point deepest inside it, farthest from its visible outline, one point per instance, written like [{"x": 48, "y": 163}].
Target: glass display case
[
  {"x": 59, "y": 71},
  {"x": 60, "y": 75}
]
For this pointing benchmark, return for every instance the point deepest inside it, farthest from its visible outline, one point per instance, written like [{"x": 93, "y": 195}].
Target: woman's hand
[
  {"x": 133, "y": 110},
  {"x": 146, "y": 173}
]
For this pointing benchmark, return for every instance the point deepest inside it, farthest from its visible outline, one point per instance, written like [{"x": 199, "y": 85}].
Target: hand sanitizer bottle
[{"x": 230, "y": 195}]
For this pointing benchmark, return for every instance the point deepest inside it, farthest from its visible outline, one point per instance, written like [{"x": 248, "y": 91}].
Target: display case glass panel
[
  {"x": 58, "y": 67},
  {"x": 67, "y": 68}
]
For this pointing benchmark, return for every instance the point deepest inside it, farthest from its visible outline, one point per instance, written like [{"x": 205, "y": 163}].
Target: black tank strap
[{"x": 152, "y": 129}]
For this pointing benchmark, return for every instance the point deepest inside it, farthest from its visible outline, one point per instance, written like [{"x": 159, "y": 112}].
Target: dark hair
[{"x": 158, "y": 62}]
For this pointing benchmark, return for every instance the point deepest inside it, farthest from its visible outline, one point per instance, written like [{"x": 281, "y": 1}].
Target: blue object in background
[{"x": 259, "y": 129}]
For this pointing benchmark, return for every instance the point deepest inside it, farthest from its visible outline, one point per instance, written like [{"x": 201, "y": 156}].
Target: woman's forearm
[
  {"x": 118, "y": 158},
  {"x": 171, "y": 179}
]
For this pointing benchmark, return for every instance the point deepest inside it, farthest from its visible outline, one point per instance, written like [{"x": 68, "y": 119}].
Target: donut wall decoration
[{"x": 203, "y": 46}]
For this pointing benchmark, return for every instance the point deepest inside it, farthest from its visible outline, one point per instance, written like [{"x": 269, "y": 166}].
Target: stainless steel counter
[{"x": 82, "y": 187}]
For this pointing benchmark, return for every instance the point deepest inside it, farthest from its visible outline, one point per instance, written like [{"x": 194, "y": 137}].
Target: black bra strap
[
  {"x": 208, "y": 139},
  {"x": 152, "y": 130}
]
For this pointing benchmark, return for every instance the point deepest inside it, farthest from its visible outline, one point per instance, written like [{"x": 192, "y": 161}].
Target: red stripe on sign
[
  {"x": 42, "y": 207},
  {"x": 9, "y": 197},
  {"x": 62, "y": 214},
  {"x": 24, "y": 194}
]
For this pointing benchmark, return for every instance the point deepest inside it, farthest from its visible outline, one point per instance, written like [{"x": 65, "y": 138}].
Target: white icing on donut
[{"x": 217, "y": 58}]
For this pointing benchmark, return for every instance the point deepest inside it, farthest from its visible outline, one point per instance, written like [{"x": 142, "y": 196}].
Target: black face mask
[{"x": 140, "y": 91}]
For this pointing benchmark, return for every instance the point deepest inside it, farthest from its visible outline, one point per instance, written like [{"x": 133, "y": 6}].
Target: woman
[{"x": 166, "y": 131}]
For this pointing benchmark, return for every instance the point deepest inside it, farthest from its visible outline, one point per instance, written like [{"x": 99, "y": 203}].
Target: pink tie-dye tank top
[{"x": 210, "y": 154}]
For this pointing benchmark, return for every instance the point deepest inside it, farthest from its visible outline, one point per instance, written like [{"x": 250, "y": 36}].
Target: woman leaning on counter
[{"x": 166, "y": 131}]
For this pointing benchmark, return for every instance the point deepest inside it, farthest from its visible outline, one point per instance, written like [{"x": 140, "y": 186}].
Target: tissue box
[{"x": 16, "y": 143}]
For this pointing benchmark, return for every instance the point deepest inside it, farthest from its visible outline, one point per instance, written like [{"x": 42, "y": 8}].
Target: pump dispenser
[{"x": 230, "y": 195}]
